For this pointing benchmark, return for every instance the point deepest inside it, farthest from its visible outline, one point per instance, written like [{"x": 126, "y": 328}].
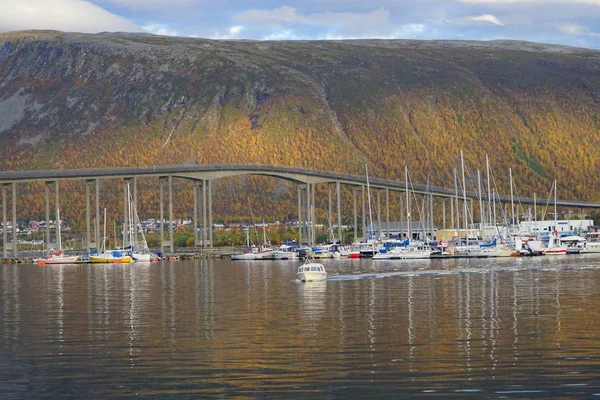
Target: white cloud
[
  {"x": 63, "y": 15},
  {"x": 234, "y": 30},
  {"x": 289, "y": 15},
  {"x": 286, "y": 34},
  {"x": 484, "y": 19},
  {"x": 531, "y": 2},
  {"x": 574, "y": 29},
  {"x": 275, "y": 17},
  {"x": 160, "y": 29},
  {"x": 146, "y": 4}
]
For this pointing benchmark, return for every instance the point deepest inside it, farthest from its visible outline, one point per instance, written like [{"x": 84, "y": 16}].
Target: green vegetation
[{"x": 330, "y": 105}]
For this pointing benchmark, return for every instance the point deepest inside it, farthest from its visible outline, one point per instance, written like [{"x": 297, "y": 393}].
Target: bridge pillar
[
  {"x": 364, "y": 214},
  {"x": 47, "y": 199},
  {"x": 329, "y": 212},
  {"x": 161, "y": 184},
  {"x": 4, "y": 230},
  {"x": 125, "y": 212},
  {"x": 201, "y": 189},
  {"x": 88, "y": 236},
  {"x": 444, "y": 214},
  {"x": 203, "y": 205},
  {"x": 210, "y": 216},
  {"x": 195, "y": 222},
  {"x": 355, "y": 217},
  {"x": 171, "y": 222},
  {"x": 99, "y": 244},
  {"x": 387, "y": 211},
  {"x": 400, "y": 213},
  {"x": 128, "y": 208},
  {"x": 307, "y": 204},
  {"x": 378, "y": 213},
  {"x": 339, "y": 209},
  {"x": 14, "y": 218},
  {"x": 299, "y": 214},
  {"x": 56, "y": 208},
  {"x": 312, "y": 215}
]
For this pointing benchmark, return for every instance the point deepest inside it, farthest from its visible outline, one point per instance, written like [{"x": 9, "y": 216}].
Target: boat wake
[{"x": 479, "y": 270}]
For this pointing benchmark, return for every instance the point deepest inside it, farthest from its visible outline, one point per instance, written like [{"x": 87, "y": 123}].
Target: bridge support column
[
  {"x": 14, "y": 218},
  {"x": 387, "y": 211},
  {"x": 171, "y": 222},
  {"x": 400, "y": 214},
  {"x": 339, "y": 210},
  {"x": 88, "y": 236},
  {"x": 299, "y": 214},
  {"x": 444, "y": 214},
  {"x": 128, "y": 202},
  {"x": 125, "y": 213},
  {"x": 99, "y": 244},
  {"x": 329, "y": 212},
  {"x": 378, "y": 214},
  {"x": 204, "y": 194},
  {"x": 309, "y": 224},
  {"x": 312, "y": 215},
  {"x": 364, "y": 214},
  {"x": 355, "y": 216},
  {"x": 56, "y": 208},
  {"x": 47, "y": 198},
  {"x": 195, "y": 222},
  {"x": 4, "y": 230},
  {"x": 161, "y": 189},
  {"x": 210, "y": 216}
]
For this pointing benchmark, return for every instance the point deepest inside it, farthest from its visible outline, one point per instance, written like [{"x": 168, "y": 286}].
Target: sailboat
[
  {"x": 554, "y": 245},
  {"x": 109, "y": 256},
  {"x": 139, "y": 249},
  {"x": 57, "y": 256}
]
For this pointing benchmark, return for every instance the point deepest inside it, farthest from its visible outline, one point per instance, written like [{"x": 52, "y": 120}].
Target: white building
[{"x": 561, "y": 226}]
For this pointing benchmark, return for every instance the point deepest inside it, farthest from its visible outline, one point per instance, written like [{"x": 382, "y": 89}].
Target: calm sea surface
[{"x": 488, "y": 328}]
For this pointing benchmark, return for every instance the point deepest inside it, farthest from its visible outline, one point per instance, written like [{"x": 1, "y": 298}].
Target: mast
[
  {"x": 489, "y": 191},
  {"x": 555, "y": 211},
  {"x": 481, "y": 213},
  {"x": 58, "y": 237},
  {"x": 512, "y": 203},
  {"x": 369, "y": 197},
  {"x": 456, "y": 200},
  {"x": 408, "y": 232},
  {"x": 104, "y": 237},
  {"x": 462, "y": 162}
]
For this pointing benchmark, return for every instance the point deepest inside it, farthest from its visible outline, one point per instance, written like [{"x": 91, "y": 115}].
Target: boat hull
[{"x": 109, "y": 260}]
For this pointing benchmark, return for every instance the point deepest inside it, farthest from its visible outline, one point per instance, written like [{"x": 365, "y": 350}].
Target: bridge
[{"x": 204, "y": 175}]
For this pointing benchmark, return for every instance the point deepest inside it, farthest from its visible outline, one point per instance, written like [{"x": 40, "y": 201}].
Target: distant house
[{"x": 399, "y": 230}]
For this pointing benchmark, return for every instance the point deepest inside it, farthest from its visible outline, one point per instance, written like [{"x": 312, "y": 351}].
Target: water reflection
[{"x": 214, "y": 328}]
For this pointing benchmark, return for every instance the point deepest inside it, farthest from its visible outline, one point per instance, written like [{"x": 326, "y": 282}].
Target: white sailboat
[
  {"x": 109, "y": 256},
  {"x": 57, "y": 256},
  {"x": 554, "y": 245},
  {"x": 137, "y": 240}
]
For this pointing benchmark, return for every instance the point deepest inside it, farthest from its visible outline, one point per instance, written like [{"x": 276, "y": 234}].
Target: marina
[{"x": 439, "y": 328}]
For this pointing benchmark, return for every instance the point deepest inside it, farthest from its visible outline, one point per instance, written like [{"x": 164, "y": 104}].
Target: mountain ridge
[{"x": 72, "y": 100}]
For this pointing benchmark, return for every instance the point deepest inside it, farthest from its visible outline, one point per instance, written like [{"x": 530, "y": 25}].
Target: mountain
[{"x": 77, "y": 100}]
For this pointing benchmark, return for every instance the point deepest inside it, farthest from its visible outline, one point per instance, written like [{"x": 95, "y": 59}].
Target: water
[{"x": 504, "y": 328}]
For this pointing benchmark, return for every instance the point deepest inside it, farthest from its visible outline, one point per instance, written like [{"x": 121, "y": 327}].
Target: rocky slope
[{"x": 76, "y": 100}]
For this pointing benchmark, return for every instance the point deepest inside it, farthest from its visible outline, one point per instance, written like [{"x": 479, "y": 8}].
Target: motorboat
[
  {"x": 286, "y": 252},
  {"x": 311, "y": 271}
]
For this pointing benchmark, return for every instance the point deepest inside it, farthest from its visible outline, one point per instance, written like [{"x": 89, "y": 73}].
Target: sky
[{"x": 567, "y": 22}]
